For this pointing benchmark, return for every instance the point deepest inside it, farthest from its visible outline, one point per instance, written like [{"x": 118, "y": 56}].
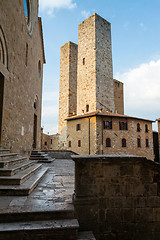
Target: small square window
[{"x": 107, "y": 124}]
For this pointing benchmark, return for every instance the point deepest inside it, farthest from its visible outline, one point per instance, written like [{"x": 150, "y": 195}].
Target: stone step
[
  {"x": 13, "y": 169},
  {"x": 4, "y": 151},
  {"x": 36, "y": 157},
  {"x": 11, "y": 161},
  {"x": 20, "y": 177},
  {"x": 86, "y": 236},
  {"x": 26, "y": 187},
  {"x": 65, "y": 229},
  {"x": 7, "y": 155},
  {"x": 38, "y": 215}
]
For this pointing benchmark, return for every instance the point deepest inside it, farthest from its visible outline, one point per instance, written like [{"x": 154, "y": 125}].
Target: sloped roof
[{"x": 104, "y": 114}]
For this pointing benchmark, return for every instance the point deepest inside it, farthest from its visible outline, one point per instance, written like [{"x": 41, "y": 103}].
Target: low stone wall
[
  {"x": 118, "y": 197},
  {"x": 59, "y": 154}
]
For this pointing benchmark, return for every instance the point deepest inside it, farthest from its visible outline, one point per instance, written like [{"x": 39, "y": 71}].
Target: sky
[{"x": 135, "y": 30}]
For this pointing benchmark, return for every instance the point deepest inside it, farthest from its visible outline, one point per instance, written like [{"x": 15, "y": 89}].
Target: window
[
  {"x": 39, "y": 69},
  {"x": 138, "y": 142},
  {"x": 78, "y": 127},
  {"x": 87, "y": 108},
  {"x": 51, "y": 141},
  {"x": 147, "y": 142},
  {"x": 69, "y": 144},
  {"x": 108, "y": 142},
  {"x": 107, "y": 124},
  {"x": 138, "y": 127},
  {"x": 79, "y": 143},
  {"x": 26, "y": 57},
  {"x": 146, "y": 128},
  {"x": 45, "y": 143},
  {"x": 123, "y": 125},
  {"x": 123, "y": 142},
  {"x": 84, "y": 61}
]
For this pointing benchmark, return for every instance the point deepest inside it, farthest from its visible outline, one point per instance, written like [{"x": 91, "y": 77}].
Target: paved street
[{"x": 54, "y": 192}]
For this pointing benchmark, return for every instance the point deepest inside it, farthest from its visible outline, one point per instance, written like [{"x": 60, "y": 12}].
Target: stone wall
[
  {"x": 131, "y": 135},
  {"x": 68, "y": 88},
  {"x": 93, "y": 136},
  {"x": 118, "y": 97},
  {"x": 86, "y": 135},
  {"x": 95, "y": 77},
  {"x": 118, "y": 197},
  {"x": 23, "y": 74}
]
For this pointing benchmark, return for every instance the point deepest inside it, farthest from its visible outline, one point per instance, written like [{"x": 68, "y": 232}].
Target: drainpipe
[{"x": 89, "y": 134}]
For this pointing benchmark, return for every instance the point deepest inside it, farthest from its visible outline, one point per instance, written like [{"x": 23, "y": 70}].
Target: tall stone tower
[
  {"x": 68, "y": 86},
  {"x": 95, "y": 74}
]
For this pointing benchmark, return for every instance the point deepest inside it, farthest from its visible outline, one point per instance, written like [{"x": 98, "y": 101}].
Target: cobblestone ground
[{"x": 54, "y": 192}]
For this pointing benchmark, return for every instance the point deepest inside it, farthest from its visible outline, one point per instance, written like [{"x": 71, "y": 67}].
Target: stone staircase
[
  {"x": 40, "y": 157},
  {"x": 18, "y": 175},
  {"x": 52, "y": 225}
]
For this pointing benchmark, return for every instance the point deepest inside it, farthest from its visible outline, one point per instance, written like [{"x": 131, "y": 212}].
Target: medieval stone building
[
  {"x": 91, "y": 106},
  {"x": 21, "y": 73}
]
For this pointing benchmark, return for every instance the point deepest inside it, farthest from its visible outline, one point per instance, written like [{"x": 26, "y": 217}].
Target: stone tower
[
  {"x": 68, "y": 86},
  {"x": 118, "y": 97},
  {"x": 95, "y": 74}
]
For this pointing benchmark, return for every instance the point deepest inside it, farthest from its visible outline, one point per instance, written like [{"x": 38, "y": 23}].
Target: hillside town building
[{"x": 91, "y": 102}]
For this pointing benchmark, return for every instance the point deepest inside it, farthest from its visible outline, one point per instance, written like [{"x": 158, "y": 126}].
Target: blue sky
[{"x": 135, "y": 48}]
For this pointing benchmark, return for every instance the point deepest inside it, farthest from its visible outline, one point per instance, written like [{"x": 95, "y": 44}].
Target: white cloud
[
  {"x": 50, "y": 5},
  {"x": 85, "y": 13},
  {"x": 142, "y": 90}
]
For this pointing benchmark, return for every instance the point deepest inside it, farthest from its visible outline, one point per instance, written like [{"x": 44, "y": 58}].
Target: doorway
[
  {"x": 1, "y": 103},
  {"x": 35, "y": 132}
]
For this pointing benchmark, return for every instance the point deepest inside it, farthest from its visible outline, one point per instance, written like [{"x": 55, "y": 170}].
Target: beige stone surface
[
  {"x": 93, "y": 138},
  {"x": 95, "y": 77},
  {"x": 22, "y": 74},
  {"x": 118, "y": 97}
]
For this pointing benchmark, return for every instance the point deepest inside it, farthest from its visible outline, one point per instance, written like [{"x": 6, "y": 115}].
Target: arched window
[
  {"x": 3, "y": 49},
  {"x": 138, "y": 127},
  {"x": 35, "y": 105},
  {"x": 87, "y": 108},
  {"x": 146, "y": 128},
  {"x": 123, "y": 142},
  {"x": 108, "y": 142},
  {"x": 26, "y": 5},
  {"x": 138, "y": 142}
]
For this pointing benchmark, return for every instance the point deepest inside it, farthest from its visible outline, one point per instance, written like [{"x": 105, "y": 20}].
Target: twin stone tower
[{"x": 86, "y": 74}]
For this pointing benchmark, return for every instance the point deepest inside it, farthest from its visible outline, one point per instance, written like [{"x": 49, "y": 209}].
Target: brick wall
[{"x": 118, "y": 197}]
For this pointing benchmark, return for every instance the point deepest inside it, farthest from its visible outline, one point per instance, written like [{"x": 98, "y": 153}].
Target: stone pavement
[{"x": 54, "y": 192}]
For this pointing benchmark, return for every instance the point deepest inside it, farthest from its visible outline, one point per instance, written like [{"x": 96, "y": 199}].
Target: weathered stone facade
[
  {"x": 68, "y": 88},
  {"x": 21, "y": 71},
  {"x": 86, "y": 75},
  {"x": 118, "y": 97},
  {"x": 96, "y": 138},
  {"x": 118, "y": 197},
  {"x": 95, "y": 75}
]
